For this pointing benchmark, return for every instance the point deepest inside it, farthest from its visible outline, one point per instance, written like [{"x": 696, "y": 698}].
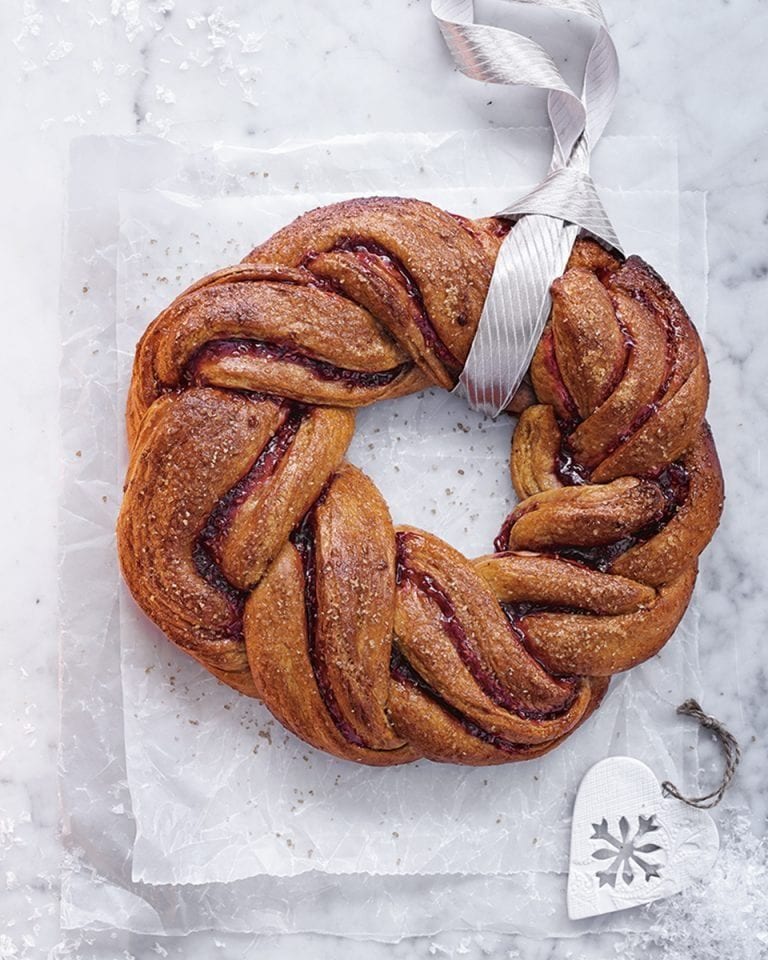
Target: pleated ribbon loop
[{"x": 548, "y": 219}]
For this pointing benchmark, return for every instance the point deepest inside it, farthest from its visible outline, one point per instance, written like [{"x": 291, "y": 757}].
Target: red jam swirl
[
  {"x": 303, "y": 538},
  {"x": 206, "y": 550},
  {"x": 220, "y": 349}
]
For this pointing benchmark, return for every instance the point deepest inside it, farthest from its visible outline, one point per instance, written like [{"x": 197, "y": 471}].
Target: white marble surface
[{"x": 258, "y": 74}]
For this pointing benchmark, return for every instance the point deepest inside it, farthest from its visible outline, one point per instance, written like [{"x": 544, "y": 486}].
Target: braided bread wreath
[{"x": 250, "y": 541}]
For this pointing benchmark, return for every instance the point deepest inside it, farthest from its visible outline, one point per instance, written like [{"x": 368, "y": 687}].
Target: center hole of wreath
[{"x": 439, "y": 465}]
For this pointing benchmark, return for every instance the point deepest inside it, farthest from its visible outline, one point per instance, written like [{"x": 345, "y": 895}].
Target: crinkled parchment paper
[{"x": 217, "y": 791}]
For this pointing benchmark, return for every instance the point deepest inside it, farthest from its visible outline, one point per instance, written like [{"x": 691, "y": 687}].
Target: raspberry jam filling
[
  {"x": 368, "y": 252},
  {"x": 568, "y": 470},
  {"x": 211, "y": 572},
  {"x": 502, "y": 227},
  {"x": 674, "y": 483},
  {"x": 402, "y": 671},
  {"x": 303, "y": 538},
  {"x": 221, "y": 349},
  {"x": 452, "y": 625},
  {"x": 206, "y": 550},
  {"x": 496, "y": 226},
  {"x": 501, "y": 543},
  {"x": 557, "y": 384},
  {"x": 517, "y": 612}
]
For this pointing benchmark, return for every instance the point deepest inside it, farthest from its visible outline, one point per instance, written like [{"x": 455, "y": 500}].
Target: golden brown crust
[
  {"x": 252, "y": 544},
  {"x": 477, "y": 665},
  {"x": 549, "y": 581},
  {"x": 590, "y": 515},
  {"x": 535, "y": 447},
  {"x": 589, "y": 346},
  {"x": 600, "y": 646}
]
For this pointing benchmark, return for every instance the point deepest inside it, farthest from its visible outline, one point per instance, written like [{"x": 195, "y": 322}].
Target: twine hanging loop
[{"x": 731, "y": 750}]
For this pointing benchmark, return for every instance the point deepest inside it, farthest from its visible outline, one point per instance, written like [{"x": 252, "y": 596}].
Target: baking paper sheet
[
  {"x": 221, "y": 791},
  {"x": 92, "y": 701}
]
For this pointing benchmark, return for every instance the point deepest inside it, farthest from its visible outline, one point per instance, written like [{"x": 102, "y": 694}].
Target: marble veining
[{"x": 242, "y": 73}]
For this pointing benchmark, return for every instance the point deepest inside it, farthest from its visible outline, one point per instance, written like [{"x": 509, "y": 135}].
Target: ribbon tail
[{"x": 537, "y": 248}]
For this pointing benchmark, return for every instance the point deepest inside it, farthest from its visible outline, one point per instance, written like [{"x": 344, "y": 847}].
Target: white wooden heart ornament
[{"x": 630, "y": 844}]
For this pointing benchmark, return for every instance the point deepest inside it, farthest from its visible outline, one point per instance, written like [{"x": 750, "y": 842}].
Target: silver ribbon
[{"x": 548, "y": 219}]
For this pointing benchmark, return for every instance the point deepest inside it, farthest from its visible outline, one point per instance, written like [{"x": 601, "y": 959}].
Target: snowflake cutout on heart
[{"x": 625, "y": 852}]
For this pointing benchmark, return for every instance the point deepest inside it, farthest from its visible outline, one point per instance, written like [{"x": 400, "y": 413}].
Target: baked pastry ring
[{"x": 246, "y": 537}]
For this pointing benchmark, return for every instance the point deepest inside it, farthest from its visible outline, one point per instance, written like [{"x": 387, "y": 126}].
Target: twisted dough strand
[{"x": 258, "y": 550}]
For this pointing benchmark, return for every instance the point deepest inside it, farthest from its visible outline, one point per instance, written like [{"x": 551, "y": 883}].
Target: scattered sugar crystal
[
  {"x": 130, "y": 12},
  {"x": 251, "y": 42},
  {"x": 8, "y": 948},
  {"x": 161, "y": 125},
  {"x": 164, "y": 94},
  {"x": 31, "y": 21},
  {"x": 58, "y": 51},
  {"x": 8, "y": 836},
  {"x": 219, "y": 28}
]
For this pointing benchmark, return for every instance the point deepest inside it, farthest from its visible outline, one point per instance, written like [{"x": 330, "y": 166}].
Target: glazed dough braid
[{"x": 256, "y": 548}]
